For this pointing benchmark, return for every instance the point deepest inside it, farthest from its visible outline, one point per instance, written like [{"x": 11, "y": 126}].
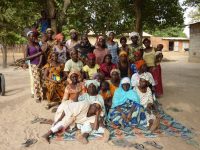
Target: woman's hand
[
  {"x": 129, "y": 116},
  {"x": 124, "y": 117}
]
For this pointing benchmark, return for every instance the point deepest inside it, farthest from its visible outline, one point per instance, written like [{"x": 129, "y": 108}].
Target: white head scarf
[
  {"x": 134, "y": 34},
  {"x": 108, "y": 33},
  {"x": 28, "y": 33},
  {"x": 144, "y": 76},
  {"x": 126, "y": 80},
  {"x": 95, "y": 82}
]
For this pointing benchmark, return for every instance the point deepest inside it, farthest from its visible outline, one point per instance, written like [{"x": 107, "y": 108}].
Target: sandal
[
  {"x": 154, "y": 144},
  {"x": 46, "y": 121},
  {"x": 29, "y": 142},
  {"x": 139, "y": 146},
  {"x": 37, "y": 119},
  {"x": 54, "y": 110}
]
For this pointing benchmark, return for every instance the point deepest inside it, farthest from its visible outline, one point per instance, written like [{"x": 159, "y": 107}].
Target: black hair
[
  {"x": 146, "y": 39},
  {"x": 106, "y": 83},
  {"x": 108, "y": 55},
  {"x": 123, "y": 38}
]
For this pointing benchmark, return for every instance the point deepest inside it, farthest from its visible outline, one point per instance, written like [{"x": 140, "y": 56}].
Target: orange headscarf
[
  {"x": 139, "y": 64},
  {"x": 59, "y": 37}
]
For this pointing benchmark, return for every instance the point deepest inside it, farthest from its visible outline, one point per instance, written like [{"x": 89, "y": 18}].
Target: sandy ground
[{"x": 181, "y": 90}]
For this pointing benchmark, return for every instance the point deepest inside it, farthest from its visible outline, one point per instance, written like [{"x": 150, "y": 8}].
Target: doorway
[{"x": 171, "y": 45}]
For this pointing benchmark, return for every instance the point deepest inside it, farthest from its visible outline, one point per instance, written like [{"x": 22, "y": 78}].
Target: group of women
[{"x": 117, "y": 85}]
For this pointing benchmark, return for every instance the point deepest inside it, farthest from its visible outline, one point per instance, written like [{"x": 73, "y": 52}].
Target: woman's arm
[
  {"x": 86, "y": 75},
  {"x": 130, "y": 113},
  {"x": 40, "y": 61},
  {"x": 96, "y": 123}
]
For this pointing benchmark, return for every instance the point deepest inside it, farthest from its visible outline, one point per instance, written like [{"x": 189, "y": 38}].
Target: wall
[
  {"x": 194, "y": 53},
  {"x": 158, "y": 40}
]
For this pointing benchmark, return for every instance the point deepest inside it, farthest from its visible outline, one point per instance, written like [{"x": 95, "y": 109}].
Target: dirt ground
[{"x": 181, "y": 90}]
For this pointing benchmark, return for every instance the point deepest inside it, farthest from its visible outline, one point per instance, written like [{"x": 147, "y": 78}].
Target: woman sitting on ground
[
  {"x": 146, "y": 100},
  {"x": 126, "y": 110},
  {"x": 142, "y": 69},
  {"x": 83, "y": 113},
  {"x": 54, "y": 81},
  {"x": 107, "y": 66}
]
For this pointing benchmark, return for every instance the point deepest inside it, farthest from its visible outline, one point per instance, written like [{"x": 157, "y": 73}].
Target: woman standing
[
  {"x": 33, "y": 53},
  {"x": 126, "y": 110},
  {"x": 134, "y": 46},
  {"x": 60, "y": 49},
  {"x": 123, "y": 64},
  {"x": 125, "y": 47},
  {"x": 113, "y": 47},
  {"x": 100, "y": 51},
  {"x": 149, "y": 57}
]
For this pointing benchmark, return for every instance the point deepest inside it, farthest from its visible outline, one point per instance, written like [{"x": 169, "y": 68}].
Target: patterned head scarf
[
  {"x": 49, "y": 30},
  {"x": 108, "y": 33},
  {"x": 123, "y": 53},
  {"x": 134, "y": 34},
  {"x": 28, "y": 33},
  {"x": 139, "y": 64},
  {"x": 71, "y": 73},
  {"x": 115, "y": 70},
  {"x": 144, "y": 76},
  {"x": 95, "y": 82},
  {"x": 73, "y": 31}
]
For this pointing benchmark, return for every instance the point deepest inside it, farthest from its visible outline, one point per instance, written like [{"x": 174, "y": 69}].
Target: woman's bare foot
[
  {"x": 106, "y": 135},
  {"x": 47, "y": 136},
  {"x": 80, "y": 138},
  {"x": 114, "y": 126},
  {"x": 155, "y": 125}
]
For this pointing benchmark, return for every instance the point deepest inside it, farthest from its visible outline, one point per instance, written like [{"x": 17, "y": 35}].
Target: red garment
[
  {"x": 106, "y": 69},
  {"x": 157, "y": 75}
]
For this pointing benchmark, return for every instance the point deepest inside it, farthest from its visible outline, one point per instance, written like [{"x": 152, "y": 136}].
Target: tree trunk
[
  {"x": 138, "y": 16},
  {"x": 63, "y": 13},
  {"x": 4, "y": 51},
  {"x": 51, "y": 6}
]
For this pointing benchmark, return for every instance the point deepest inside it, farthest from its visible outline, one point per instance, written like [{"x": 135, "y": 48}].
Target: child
[
  {"x": 159, "y": 57},
  {"x": 106, "y": 94},
  {"x": 74, "y": 63},
  {"x": 91, "y": 68},
  {"x": 138, "y": 57}
]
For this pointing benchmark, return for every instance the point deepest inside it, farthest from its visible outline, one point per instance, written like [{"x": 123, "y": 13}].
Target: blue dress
[{"x": 113, "y": 50}]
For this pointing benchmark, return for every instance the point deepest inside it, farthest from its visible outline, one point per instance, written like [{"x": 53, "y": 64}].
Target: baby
[
  {"x": 106, "y": 94},
  {"x": 159, "y": 55}
]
